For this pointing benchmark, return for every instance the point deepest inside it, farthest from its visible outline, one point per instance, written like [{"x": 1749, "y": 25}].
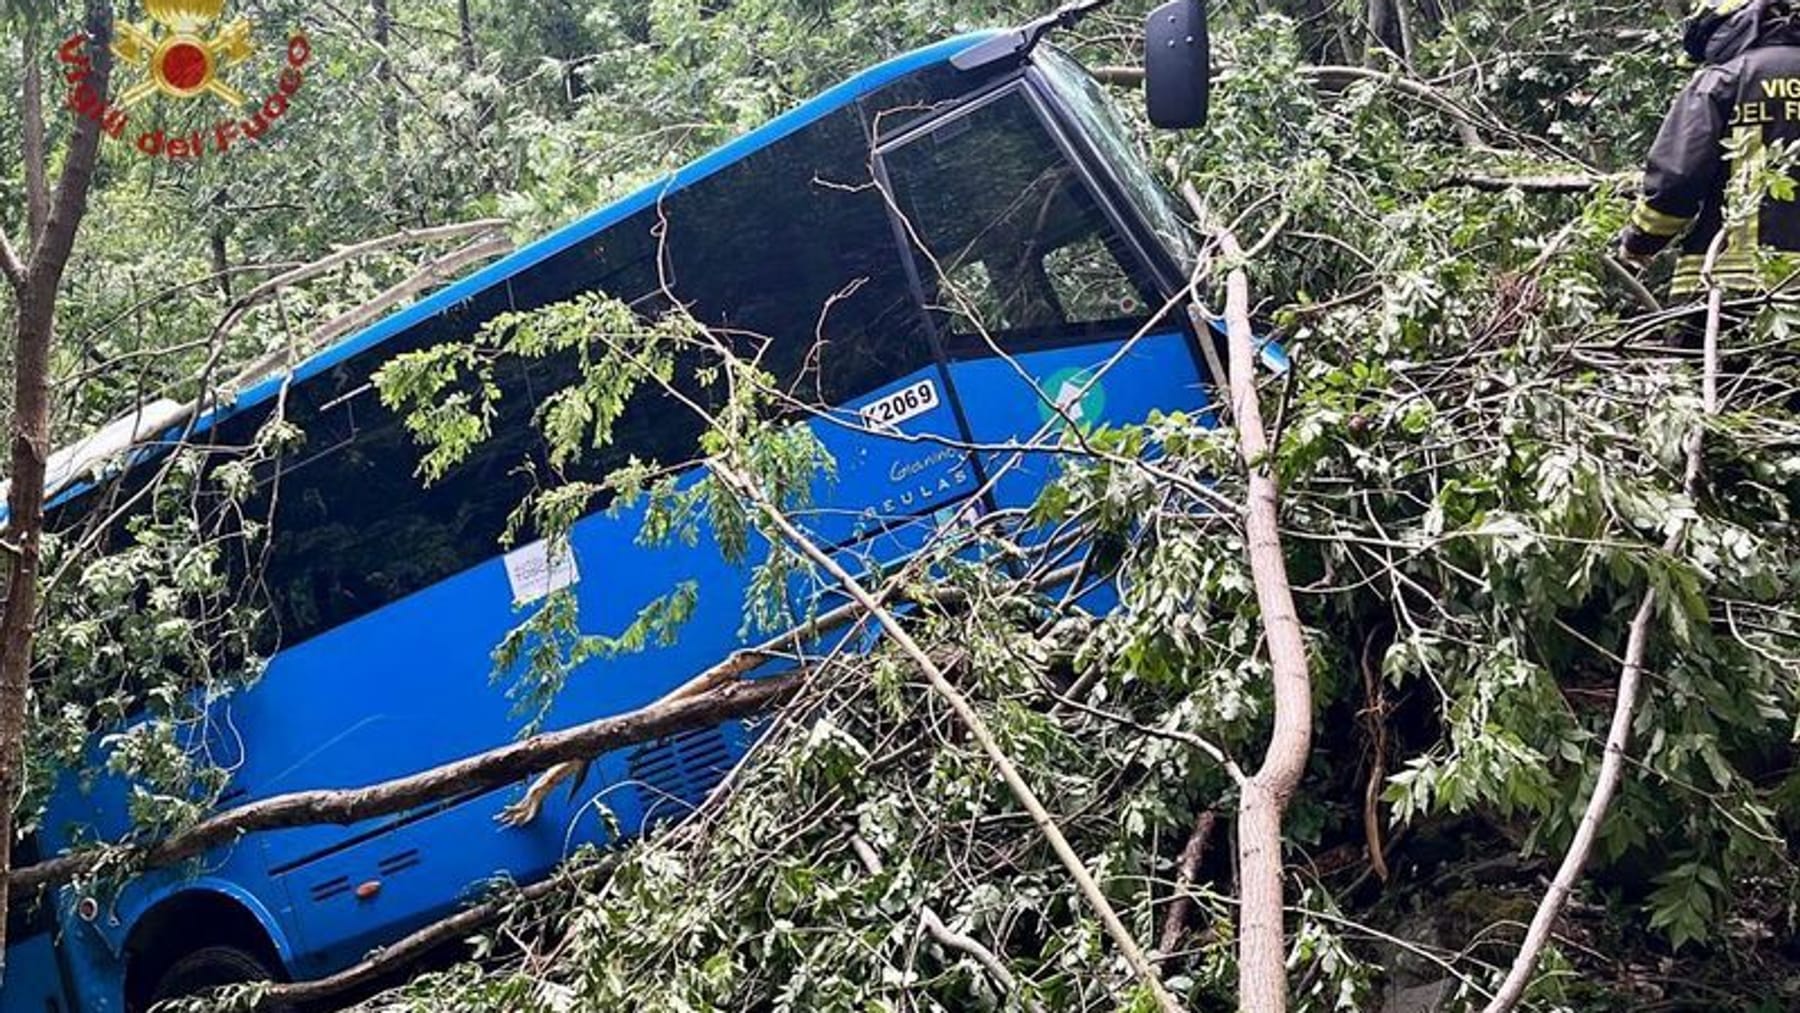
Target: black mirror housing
[{"x": 1177, "y": 64}]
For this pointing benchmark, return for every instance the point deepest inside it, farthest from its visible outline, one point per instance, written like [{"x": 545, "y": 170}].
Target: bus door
[{"x": 1051, "y": 319}]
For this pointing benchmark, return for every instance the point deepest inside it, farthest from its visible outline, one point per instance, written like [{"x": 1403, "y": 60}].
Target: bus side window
[
  {"x": 791, "y": 255},
  {"x": 1013, "y": 244},
  {"x": 354, "y": 527}
]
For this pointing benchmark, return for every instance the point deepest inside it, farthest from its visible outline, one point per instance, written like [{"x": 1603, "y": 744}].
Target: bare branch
[
  {"x": 484, "y": 770},
  {"x": 1631, "y": 673},
  {"x": 1625, "y": 277},
  {"x": 1186, "y": 870},
  {"x": 941, "y": 933},
  {"x": 1213, "y": 751},
  {"x": 1262, "y": 800},
  {"x": 430, "y": 275},
  {"x": 409, "y": 948},
  {"x": 978, "y": 729},
  {"x": 344, "y": 254},
  {"x": 1573, "y": 182},
  {"x": 1130, "y": 77}
]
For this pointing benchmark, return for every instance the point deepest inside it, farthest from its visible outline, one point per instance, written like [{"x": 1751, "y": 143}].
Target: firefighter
[{"x": 1746, "y": 94}]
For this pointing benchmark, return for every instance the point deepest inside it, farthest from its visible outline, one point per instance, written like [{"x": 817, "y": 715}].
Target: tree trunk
[
  {"x": 25, "y": 501},
  {"x": 1262, "y": 938},
  {"x": 384, "y": 74},
  {"x": 465, "y": 34},
  {"x": 31, "y": 139},
  {"x": 35, "y": 291}
]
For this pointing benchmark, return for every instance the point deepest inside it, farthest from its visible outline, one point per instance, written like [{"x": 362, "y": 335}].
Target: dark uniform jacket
[{"x": 1747, "y": 102}]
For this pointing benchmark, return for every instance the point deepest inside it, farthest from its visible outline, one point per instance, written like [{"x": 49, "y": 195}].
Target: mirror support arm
[{"x": 1018, "y": 42}]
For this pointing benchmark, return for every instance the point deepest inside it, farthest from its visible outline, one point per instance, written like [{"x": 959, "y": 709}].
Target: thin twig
[
  {"x": 978, "y": 729},
  {"x": 1618, "y": 735}
]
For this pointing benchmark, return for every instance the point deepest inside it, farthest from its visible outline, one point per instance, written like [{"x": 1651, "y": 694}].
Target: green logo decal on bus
[{"x": 1079, "y": 398}]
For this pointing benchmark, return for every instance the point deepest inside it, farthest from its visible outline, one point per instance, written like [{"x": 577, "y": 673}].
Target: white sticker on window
[
  {"x": 534, "y": 574},
  {"x": 889, "y": 410}
]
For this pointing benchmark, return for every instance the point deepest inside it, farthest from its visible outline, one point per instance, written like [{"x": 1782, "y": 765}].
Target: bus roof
[{"x": 582, "y": 228}]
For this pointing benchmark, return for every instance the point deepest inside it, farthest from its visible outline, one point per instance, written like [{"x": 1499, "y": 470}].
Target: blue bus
[{"x": 957, "y": 246}]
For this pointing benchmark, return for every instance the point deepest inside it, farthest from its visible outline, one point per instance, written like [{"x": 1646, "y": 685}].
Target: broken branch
[
  {"x": 1637, "y": 645},
  {"x": 406, "y": 949},
  {"x": 978, "y": 729},
  {"x": 1263, "y": 798},
  {"x": 485, "y": 770}
]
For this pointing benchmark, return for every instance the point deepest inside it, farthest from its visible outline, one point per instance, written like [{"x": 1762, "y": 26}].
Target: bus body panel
[
  {"x": 1155, "y": 372},
  {"x": 430, "y": 696},
  {"x": 419, "y": 677},
  {"x": 33, "y": 980},
  {"x": 886, "y": 480}
]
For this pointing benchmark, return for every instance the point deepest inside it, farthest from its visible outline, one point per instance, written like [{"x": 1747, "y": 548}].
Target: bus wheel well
[{"x": 184, "y": 924}]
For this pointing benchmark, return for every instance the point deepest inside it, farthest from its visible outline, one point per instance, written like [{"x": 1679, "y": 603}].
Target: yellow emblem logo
[{"x": 182, "y": 61}]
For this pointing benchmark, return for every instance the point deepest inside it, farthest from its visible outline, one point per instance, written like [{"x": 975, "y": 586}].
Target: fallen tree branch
[
  {"x": 739, "y": 664},
  {"x": 1187, "y": 868},
  {"x": 454, "y": 927},
  {"x": 1631, "y": 672},
  {"x": 1573, "y": 182},
  {"x": 1129, "y": 77},
  {"x": 978, "y": 729},
  {"x": 491, "y": 769},
  {"x": 714, "y": 695},
  {"x": 430, "y": 275},
  {"x": 403, "y": 951},
  {"x": 1263, "y": 797},
  {"x": 343, "y": 254}
]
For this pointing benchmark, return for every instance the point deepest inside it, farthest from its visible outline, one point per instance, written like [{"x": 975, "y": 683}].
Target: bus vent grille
[
  {"x": 398, "y": 862},
  {"x": 674, "y": 775},
  {"x": 330, "y": 888}
]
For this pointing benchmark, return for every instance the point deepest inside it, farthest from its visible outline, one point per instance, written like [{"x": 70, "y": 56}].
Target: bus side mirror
[{"x": 1177, "y": 64}]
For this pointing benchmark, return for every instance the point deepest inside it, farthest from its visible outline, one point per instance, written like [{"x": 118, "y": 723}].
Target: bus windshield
[{"x": 1089, "y": 103}]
